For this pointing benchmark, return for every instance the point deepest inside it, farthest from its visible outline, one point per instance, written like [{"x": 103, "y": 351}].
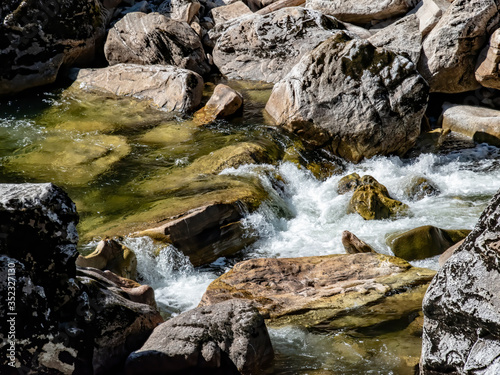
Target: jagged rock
[
  {"x": 420, "y": 187},
  {"x": 372, "y": 201},
  {"x": 66, "y": 322},
  {"x": 112, "y": 256},
  {"x": 348, "y": 183},
  {"x": 487, "y": 72},
  {"x": 353, "y": 245},
  {"x": 168, "y": 87},
  {"x": 462, "y": 308},
  {"x": 424, "y": 242},
  {"x": 150, "y": 39},
  {"x": 38, "y": 38},
  {"x": 224, "y": 102},
  {"x": 316, "y": 292},
  {"x": 265, "y": 48},
  {"x": 180, "y": 10},
  {"x": 479, "y": 123},
  {"x": 403, "y": 37},
  {"x": 352, "y": 98},
  {"x": 226, "y": 338},
  {"x": 430, "y": 13},
  {"x": 229, "y": 12},
  {"x": 450, "y": 51},
  {"x": 360, "y": 11}
]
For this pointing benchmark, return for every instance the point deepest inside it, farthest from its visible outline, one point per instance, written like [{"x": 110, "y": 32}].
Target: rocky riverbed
[{"x": 232, "y": 187}]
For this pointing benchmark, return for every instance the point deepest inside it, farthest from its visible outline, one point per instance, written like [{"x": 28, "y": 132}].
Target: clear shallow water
[{"x": 306, "y": 218}]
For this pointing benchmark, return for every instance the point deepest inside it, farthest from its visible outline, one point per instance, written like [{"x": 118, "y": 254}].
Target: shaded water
[{"x": 117, "y": 157}]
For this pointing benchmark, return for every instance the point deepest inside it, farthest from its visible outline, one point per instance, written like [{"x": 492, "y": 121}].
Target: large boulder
[
  {"x": 450, "y": 51},
  {"x": 462, "y": 305},
  {"x": 66, "y": 322},
  {"x": 226, "y": 338},
  {"x": 360, "y": 11},
  {"x": 168, "y": 87},
  {"x": 148, "y": 39},
  {"x": 317, "y": 292},
  {"x": 352, "y": 98},
  {"x": 40, "y": 37},
  {"x": 487, "y": 70},
  {"x": 479, "y": 123},
  {"x": 265, "y": 48}
]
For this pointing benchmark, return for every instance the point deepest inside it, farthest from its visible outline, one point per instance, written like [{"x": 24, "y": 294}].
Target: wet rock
[
  {"x": 424, "y": 242},
  {"x": 112, "y": 256},
  {"x": 353, "y": 245},
  {"x": 440, "y": 141},
  {"x": 224, "y": 102},
  {"x": 450, "y": 51},
  {"x": 265, "y": 48},
  {"x": 316, "y": 292},
  {"x": 403, "y": 37},
  {"x": 479, "y": 123},
  {"x": 462, "y": 307},
  {"x": 351, "y": 98},
  {"x": 180, "y": 10},
  {"x": 66, "y": 322},
  {"x": 487, "y": 72},
  {"x": 38, "y": 39},
  {"x": 360, "y": 11},
  {"x": 226, "y": 338},
  {"x": 150, "y": 39},
  {"x": 229, "y": 12},
  {"x": 420, "y": 187},
  {"x": 430, "y": 13},
  {"x": 372, "y": 201},
  {"x": 168, "y": 87},
  {"x": 348, "y": 183}
]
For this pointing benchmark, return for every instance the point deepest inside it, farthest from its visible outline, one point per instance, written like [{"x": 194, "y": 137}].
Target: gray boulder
[
  {"x": 226, "y": 338},
  {"x": 352, "y": 98},
  {"x": 153, "y": 38},
  {"x": 265, "y": 48},
  {"x": 462, "y": 305},
  {"x": 450, "y": 51}
]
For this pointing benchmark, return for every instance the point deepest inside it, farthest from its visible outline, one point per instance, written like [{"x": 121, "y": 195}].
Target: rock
[
  {"x": 372, "y": 201},
  {"x": 440, "y": 141},
  {"x": 226, "y": 338},
  {"x": 462, "y": 307},
  {"x": 66, "y": 322},
  {"x": 403, "y": 37},
  {"x": 229, "y": 12},
  {"x": 112, "y": 256},
  {"x": 40, "y": 38},
  {"x": 265, "y": 48},
  {"x": 180, "y": 10},
  {"x": 224, "y": 102},
  {"x": 423, "y": 242},
  {"x": 348, "y": 183},
  {"x": 430, "y": 13},
  {"x": 487, "y": 72},
  {"x": 150, "y": 39},
  {"x": 479, "y": 123},
  {"x": 168, "y": 87},
  {"x": 449, "y": 252},
  {"x": 353, "y": 245},
  {"x": 360, "y": 11},
  {"x": 420, "y": 187},
  {"x": 327, "y": 99},
  {"x": 450, "y": 51},
  {"x": 316, "y": 292}
]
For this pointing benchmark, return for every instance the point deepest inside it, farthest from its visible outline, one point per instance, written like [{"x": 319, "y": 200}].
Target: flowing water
[{"x": 115, "y": 157}]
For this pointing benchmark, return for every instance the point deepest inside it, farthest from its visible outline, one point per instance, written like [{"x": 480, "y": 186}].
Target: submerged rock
[
  {"x": 352, "y": 98},
  {"x": 317, "y": 292},
  {"x": 266, "y": 47},
  {"x": 420, "y": 187},
  {"x": 150, "y": 39},
  {"x": 424, "y": 242},
  {"x": 227, "y": 338},
  {"x": 168, "y": 87},
  {"x": 462, "y": 305}
]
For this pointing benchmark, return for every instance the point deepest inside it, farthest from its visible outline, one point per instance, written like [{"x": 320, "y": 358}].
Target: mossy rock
[
  {"x": 420, "y": 187},
  {"x": 424, "y": 242}
]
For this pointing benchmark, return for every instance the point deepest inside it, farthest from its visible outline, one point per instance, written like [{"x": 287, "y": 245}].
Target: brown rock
[
  {"x": 353, "y": 245},
  {"x": 224, "y": 102},
  {"x": 430, "y": 13},
  {"x": 229, "y": 12},
  {"x": 180, "y": 10},
  {"x": 348, "y": 183},
  {"x": 449, "y": 252},
  {"x": 487, "y": 67}
]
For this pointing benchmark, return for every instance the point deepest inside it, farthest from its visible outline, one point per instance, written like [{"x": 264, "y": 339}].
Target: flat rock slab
[
  {"x": 325, "y": 292},
  {"x": 168, "y": 87}
]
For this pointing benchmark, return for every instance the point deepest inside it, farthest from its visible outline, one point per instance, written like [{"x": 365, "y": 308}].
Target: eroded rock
[
  {"x": 487, "y": 70},
  {"x": 230, "y": 12}
]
